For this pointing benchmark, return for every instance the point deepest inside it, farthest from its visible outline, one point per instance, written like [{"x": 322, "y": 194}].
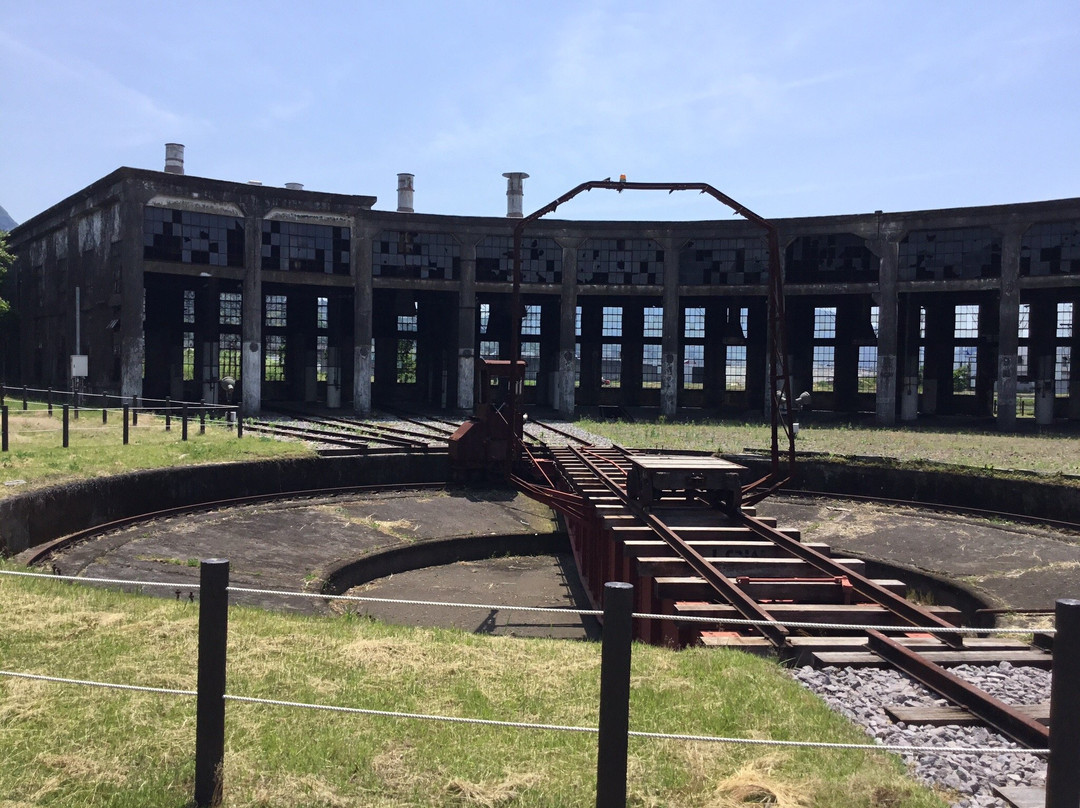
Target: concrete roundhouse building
[{"x": 301, "y": 296}]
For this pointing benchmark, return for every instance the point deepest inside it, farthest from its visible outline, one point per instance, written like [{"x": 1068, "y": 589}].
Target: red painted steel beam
[
  {"x": 780, "y": 398},
  {"x": 902, "y": 607},
  {"x": 724, "y": 586}
]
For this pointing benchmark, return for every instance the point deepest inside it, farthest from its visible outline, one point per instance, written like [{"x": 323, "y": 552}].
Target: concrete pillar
[
  {"x": 888, "y": 326},
  {"x": 633, "y": 319},
  {"x": 1074, "y": 375},
  {"x": 850, "y": 314},
  {"x": 669, "y": 351},
  {"x": 1008, "y": 330},
  {"x": 986, "y": 373},
  {"x": 757, "y": 355},
  {"x": 360, "y": 266},
  {"x": 716, "y": 316},
  {"x": 207, "y": 347},
  {"x": 132, "y": 339},
  {"x": 251, "y": 349},
  {"x": 938, "y": 366},
  {"x": 909, "y": 358},
  {"x": 566, "y": 371},
  {"x": 466, "y": 326},
  {"x": 592, "y": 314},
  {"x": 1043, "y": 334}
]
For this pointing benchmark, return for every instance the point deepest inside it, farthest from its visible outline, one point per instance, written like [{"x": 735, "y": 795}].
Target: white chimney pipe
[
  {"x": 404, "y": 193},
  {"x": 174, "y": 158},
  {"x": 515, "y": 192},
  {"x": 295, "y": 186}
]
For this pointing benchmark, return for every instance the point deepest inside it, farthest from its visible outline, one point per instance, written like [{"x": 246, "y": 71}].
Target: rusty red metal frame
[
  {"x": 724, "y": 586},
  {"x": 1005, "y": 719},
  {"x": 780, "y": 398},
  {"x": 903, "y": 608}
]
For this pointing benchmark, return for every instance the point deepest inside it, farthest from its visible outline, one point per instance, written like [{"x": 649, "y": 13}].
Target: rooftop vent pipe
[
  {"x": 515, "y": 191},
  {"x": 404, "y": 193},
  {"x": 295, "y": 186},
  {"x": 174, "y": 158}
]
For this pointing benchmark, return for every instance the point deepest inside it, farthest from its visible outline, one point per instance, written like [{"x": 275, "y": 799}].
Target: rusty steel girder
[{"x": 780, "y": 399}]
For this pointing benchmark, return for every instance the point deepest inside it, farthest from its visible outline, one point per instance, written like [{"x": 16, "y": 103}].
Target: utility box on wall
[{"x": 79, "y": 366}]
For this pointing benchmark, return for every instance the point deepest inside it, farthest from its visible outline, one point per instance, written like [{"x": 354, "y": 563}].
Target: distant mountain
[{"x": 6, "y": 222}]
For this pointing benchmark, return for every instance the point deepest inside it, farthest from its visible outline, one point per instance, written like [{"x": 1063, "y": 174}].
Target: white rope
[
  {"x": 731, "y": 621},
  {"x": 81, "y": 580},
  {"x": 446, "y": 604},
  {"x": 640, "y": 616},
  {"x": 110, "y": 685},
  {"x": 653, "y": 735},
  {"x": 420, "y": 716},
  {"x": 526, "y": 725}
]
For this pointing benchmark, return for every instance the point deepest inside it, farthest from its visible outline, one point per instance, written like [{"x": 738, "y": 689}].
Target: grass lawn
[
  {"x": 1046, "y": 453},
  {"x": 36, "y": 455},
  {"x": 67, "y": 745}
]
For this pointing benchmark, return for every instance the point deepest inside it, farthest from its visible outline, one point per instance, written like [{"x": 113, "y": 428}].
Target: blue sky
[{"x": 794, "y": 109}]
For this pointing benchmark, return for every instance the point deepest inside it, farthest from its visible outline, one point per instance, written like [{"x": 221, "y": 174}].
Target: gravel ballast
[{"x": 863, "y": 694}]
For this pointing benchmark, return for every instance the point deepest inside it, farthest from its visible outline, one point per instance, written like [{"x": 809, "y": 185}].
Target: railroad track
[
  {"x": 353, "y": 432},
  {"x": 687, "y": 557}
]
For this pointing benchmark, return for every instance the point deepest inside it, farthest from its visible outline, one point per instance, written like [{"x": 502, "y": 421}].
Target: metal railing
[{"x": 71, "y": 403}]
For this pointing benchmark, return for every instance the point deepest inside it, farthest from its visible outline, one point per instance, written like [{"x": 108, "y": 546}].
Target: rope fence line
[
  {"x": 613, "y": 730},
  {"x": 118, "y": 581},
  {"x": 488, "y": 722},
  {"x": 731, "y": 621},
  {"x": 90, "y": 683}
]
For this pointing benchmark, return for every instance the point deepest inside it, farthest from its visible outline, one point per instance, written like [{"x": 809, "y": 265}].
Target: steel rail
[
  {"x": 901, "y": 607},
  {"x": 1002, "y": 717},
  {"x": 724, "y": 586},
  {"x": 321, "y": 436},
  {"x": 410, "y": 439},
  {"x": 563, "y": 432}
]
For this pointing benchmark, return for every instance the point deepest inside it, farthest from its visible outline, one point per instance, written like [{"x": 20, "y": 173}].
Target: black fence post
[
  {"x": 613, "y": 738},
  {"x": 3, "y": 428},
  {"x": 104, "y": 408},
  {"x": 49, "y": 400},
  {"x": 1063, "y": 764},
  {"x": 134, "y": 410},
  {"x": 127, "y": 412},
  {"x": 183, "y": 421},
  {"x": 239, "y": 424},
  {"x": 24, "y": 406},
  {"x": 66, "y": 430},
  {"x": 210, "y": 717},
  {"x": 168, "y": 414},
  {"x": 202, "y": 417}
]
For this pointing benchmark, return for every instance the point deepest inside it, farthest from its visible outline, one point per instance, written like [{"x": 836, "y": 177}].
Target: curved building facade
[{"x": 300, "y": 295}]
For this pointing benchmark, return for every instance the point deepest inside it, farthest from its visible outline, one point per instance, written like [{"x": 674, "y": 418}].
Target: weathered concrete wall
[
  {"x": 1033, "y": 497},
  {"x": 340, "y": 577},
  {"x": 37, "y": 517}
]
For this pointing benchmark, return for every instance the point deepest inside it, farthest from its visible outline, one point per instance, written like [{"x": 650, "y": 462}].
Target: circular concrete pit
[{"x": 499, "y": 548}]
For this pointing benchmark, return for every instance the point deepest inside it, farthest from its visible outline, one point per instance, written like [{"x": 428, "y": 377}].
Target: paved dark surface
[{"x": 289, "y": 545}]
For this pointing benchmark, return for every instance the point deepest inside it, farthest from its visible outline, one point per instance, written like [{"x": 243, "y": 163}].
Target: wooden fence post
[
  {"x": 613, "y": 738},
  {"x": 210, "y": 717}
]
